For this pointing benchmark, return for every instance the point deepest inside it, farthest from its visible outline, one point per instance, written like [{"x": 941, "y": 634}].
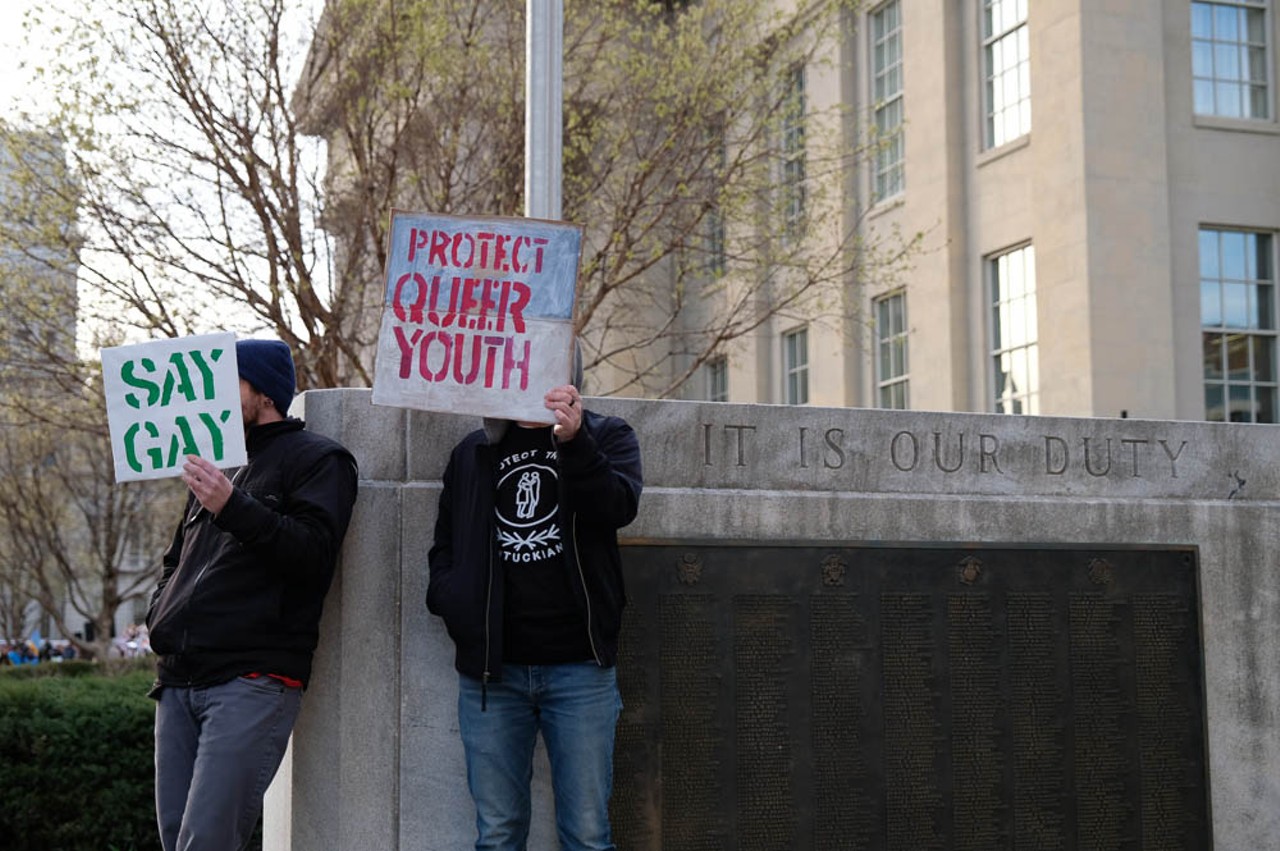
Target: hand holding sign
[
  {"x": 210, "y": 485},
  {"x": 566, "y": 404}
]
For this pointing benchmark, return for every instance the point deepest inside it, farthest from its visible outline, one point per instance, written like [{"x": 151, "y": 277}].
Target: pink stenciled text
[{"x": 463, "y": 318}]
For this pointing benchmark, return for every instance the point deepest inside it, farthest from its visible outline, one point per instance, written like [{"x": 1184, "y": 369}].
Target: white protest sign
[
  {"x": 167, "y": 399},
  {"x": 477, "y": 315}
]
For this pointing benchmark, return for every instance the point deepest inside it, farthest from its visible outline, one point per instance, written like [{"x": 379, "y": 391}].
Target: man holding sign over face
[
  {"x": 235, "y": 617},
  {"x": 525, "y": 571}
]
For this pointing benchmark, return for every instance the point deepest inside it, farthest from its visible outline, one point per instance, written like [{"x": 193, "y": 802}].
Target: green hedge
[{"x": 76, "y": 770}]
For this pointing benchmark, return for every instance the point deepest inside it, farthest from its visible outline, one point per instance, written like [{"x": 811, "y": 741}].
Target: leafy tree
[
  {"x": 193, "y": 189},
  {"x": 178, "y": 182},
  {"x": 201, "y": 201},
  {"x": 15, "y": 599},
  {"x": 71, "y": 541},
  {"x": 74, "y": 541},
  {"x": 676, "y": 127}
]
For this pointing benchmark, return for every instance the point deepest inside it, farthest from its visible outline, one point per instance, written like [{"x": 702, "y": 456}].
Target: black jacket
[
  {"x": 600, "y": 482},
  {"x": 243, "y": 591}
]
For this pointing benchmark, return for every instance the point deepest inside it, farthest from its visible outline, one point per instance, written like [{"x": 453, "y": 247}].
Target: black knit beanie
[{"x": 268, "y": 366}]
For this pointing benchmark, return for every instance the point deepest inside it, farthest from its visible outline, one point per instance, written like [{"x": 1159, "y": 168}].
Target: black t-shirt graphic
[{"x": 542, "y": 624}]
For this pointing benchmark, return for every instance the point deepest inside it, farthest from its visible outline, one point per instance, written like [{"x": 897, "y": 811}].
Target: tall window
[
  {"x": 713, "y": 225},
  {"x": 795, "y": 366},
  {"x": 1014, "y": 353},
  {"x": 793, "y": 165},
  {"x": 1007, "y": 62},
  {"x": 714, "y": 259},
  {"x": 891, "y": 351},
  {"x": 718, "y": 380},
  {"x": 1238, "y": 317},
  {"x": 1229, "y": 58},
  {"x": 886, "y": 96}
]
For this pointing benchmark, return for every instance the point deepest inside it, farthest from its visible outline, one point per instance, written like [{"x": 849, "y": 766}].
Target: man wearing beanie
[{"x": 235, "y": 617}]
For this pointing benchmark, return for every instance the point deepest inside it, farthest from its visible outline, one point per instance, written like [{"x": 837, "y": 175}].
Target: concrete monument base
[{"x": 376, "y": 762}]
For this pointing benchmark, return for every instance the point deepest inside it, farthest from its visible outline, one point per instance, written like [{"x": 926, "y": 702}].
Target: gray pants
[{"x": 217, "y": 748}]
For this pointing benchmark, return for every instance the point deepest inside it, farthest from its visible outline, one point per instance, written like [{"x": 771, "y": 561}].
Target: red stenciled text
[
  {"x": 480, "y": 304},
  {"x": 466, "y": 358},
  {"x": 473, "y": 322},
  {"x": 482, "y": 250},
  {"x": 469, "y": 326}
]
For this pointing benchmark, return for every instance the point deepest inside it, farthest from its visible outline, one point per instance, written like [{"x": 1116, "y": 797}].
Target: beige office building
[{"x": 1099, "y": 189}]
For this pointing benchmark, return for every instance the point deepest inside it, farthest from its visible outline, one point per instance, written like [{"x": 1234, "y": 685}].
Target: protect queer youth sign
[
  {"x": 477, "y": 315},
  {"x": 168, "y": 399}
]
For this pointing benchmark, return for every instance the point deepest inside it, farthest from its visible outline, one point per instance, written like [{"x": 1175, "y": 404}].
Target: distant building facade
[
  {"x": 93, "y": 521},
  {"x": 38, "y": 259},
  {"x": 1100, "y": 191}
]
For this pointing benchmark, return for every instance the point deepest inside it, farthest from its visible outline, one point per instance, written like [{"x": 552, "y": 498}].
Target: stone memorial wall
[{"x": 856, "y": 629}]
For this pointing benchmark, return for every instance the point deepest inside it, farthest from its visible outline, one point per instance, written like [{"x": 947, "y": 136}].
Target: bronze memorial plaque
[{"x": 911, "y": 698}]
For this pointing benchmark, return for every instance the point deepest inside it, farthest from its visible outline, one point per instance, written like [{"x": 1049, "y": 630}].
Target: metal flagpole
[{"x": 543, "y": 107}]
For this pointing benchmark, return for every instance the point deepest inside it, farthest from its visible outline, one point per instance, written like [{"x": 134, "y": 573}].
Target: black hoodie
[
  {"x": 599, "y": 484},
  {"x": 242, "y": 592}
]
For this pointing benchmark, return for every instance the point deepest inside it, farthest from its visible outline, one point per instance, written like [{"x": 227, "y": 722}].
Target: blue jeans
[
  {"x": 217, "y": 748},
  {"x": 576, "y": 707}
]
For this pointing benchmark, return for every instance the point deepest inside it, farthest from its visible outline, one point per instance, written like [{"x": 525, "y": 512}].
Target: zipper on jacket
[
  {"x": 586, "y": 594},
  {"x": 488, "y": 611},
  {"x": 573, "y": 534},
  {"x": 236, "y": 476},
  {"x": 186, "y": 605}
]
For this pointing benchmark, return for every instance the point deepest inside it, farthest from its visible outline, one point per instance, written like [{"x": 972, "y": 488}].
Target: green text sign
[{"x": 167, "y": 399}]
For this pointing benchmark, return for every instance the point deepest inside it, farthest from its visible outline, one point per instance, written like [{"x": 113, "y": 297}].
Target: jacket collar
[{"x": 260, "y": 435}]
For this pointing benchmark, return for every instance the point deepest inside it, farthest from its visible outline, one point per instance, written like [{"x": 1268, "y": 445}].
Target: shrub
[
  {"x": 74, "y": 668},
  {"x": 76, "y": 759}
]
